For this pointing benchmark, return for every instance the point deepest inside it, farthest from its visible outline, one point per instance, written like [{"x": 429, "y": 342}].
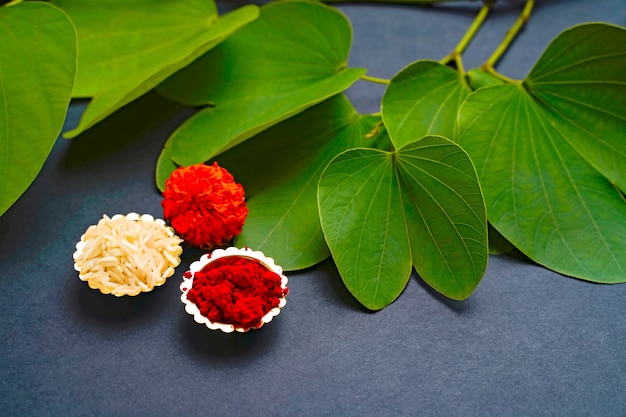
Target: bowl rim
[{"x": 207, "y": 259}]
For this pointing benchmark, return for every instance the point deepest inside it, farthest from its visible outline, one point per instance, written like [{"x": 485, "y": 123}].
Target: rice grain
[{"x": 125, "y": 255}]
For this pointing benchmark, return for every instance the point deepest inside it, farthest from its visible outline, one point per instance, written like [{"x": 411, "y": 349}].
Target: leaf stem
[
  {"x": 374, "y": 79},
  {"x": 455, "y": 55},
  {"x": 13, "y": 3},
  {"x": 492, "y": 71},
  {"x": 522, "y": 19}
]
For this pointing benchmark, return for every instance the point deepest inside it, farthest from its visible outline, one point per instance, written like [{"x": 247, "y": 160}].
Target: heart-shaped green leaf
[
  {"x": 37, "y": 69},
  {"x": 548, "y": 153},
  {"x": 382, "y": 212},
  {"x": 128, "y": 48},
  {"x": 423, "y": 99},
  {"x": 291, "y": 58},
  {"x": 280, "y": 169},
  {"x": 580, "y": 81},
  {"x": 361, "y": 212}
]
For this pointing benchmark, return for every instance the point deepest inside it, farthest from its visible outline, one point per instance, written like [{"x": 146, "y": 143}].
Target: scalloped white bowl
[
  {"x": 207, "y": 259},
  {"x": 131, "y": 216}
]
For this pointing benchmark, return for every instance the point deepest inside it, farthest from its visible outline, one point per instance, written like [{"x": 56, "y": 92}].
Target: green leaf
[
  {"x": 542, "y": 155},
  {"x": 280, "y": 169},
  {"x": 580, "y": 82},
  {"x": 361, "y": 213},
  {"x": 446, "y": 215},
  {"x": 548, "y": 154},
  {"x": 498, "y": 243},
  {"x": 292, "y": 57},
  {"x": 423, "y": 99},
  {"x": 382, "y": 212},
  {"x": 164, "y": 167},
  {"x": 37, "y": 69},
  {"x": 128, "y": 48}
]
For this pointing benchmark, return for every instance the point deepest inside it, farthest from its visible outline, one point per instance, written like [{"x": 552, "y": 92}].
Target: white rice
[{"x": 125, "y": 255}]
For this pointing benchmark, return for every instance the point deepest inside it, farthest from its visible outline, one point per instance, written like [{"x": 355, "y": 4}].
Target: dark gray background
[{"x": 528, "y": 342}]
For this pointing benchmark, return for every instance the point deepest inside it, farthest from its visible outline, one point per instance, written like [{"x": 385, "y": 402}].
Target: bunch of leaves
[
  {"x": 328, "y": 180},
  {"x": 408, "y": 188}
]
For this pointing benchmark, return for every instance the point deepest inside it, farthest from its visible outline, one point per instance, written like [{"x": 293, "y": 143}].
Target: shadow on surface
[
  {"x": 17, "y": 225},
  {"x": 458, "y": 306},
  {"x": 91, "y": 306},
  {"x": 218, "y": 347},
  {"x": 215, "y": 345},
  {"x": 331, "y": 285},
  {"x": 125, "y": 125},
  {"x": 467, "y": 306},
  {"x": 190, "y": 254}
]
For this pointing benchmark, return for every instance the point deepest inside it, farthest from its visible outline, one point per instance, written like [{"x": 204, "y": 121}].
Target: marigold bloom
[{"x": 204, "y": 204}]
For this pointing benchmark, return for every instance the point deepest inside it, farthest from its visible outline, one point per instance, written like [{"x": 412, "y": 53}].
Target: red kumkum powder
[
  {"x": 204, "y": 204},
  {"x": 236, "y": 290}
]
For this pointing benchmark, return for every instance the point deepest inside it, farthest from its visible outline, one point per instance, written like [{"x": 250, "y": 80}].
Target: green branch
[
  {"x": 455, "y": 55},
  {"x": 374, "y": 79},
  {"x": 521, "y": 20}
]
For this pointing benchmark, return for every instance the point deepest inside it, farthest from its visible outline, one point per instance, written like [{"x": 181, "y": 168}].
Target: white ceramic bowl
[
  {"x": 207, "y": 259},
  {"x": 134, "y": 285}
]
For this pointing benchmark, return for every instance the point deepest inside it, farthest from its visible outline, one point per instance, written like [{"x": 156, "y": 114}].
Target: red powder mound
[{"x": 236, "y": 290}]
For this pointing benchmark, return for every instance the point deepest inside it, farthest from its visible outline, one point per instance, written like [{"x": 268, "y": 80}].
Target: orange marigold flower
[{"x": 204, "y": 204}]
